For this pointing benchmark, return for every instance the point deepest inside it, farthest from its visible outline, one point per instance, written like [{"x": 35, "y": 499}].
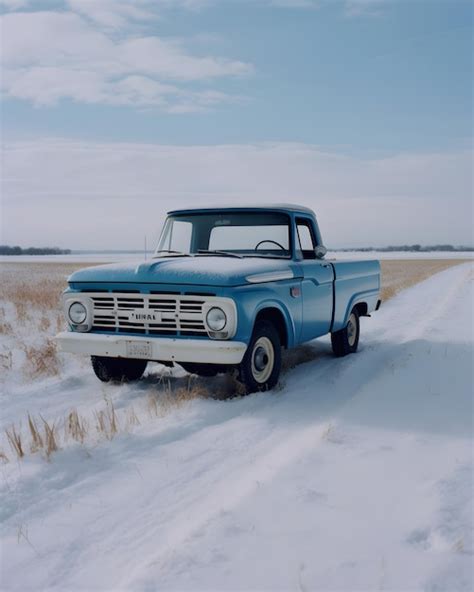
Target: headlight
[
  {"x": 77, "y": 313},
  {"x": 216, "y": 319}
]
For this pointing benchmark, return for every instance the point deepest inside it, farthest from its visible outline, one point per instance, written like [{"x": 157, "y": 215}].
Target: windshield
[{"x": 242, "y": 234}]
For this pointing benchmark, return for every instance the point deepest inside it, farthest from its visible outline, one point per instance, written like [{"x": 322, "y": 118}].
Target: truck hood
[{"x": 204, "y": 271}]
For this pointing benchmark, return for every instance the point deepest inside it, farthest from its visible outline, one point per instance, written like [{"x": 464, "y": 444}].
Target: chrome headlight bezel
[
  {"x": 71, "y": 298},
  {"x": 77, "y": 313},
  {"x": 219, "y": 322},
  {"x": 229, "y": 308}
]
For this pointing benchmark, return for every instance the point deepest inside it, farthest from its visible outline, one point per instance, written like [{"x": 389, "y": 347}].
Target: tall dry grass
[
  {"x": 76, "y": 427},
  {"x": 34, "y": 286},
  {"x": 38, "y": 286},
  {"x": 41, "y": 360},
  {"x": 6, "y": 361},
  {"x": 50, "y": 438},
  {"x": 5, "y": 327},
  {"x": 106, "y": 421},
  {"x": 37, "y": 442},
  {"x": 399, "y": 274},
  {"x": 46, "y": 438},
  {"x": 30, "y": 295},
  {"x": 15, "y": 440}
]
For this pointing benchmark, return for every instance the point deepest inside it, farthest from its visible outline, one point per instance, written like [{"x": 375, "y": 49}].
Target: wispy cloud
[
  {"x": 48, "y": 185},
  {"x": 355, "y": 8},
  {"x": 294, "y": 3},
  {"x": 49, "y": 56}
]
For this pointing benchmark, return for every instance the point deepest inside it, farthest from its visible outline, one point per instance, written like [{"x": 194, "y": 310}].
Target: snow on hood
[{"x": 207, "y": 270}]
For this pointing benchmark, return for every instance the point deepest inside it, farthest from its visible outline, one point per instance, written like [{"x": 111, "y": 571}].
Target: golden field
[{"x": 41, "y": 284}]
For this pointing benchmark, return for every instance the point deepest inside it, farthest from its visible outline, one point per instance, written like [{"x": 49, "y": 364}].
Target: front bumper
[{"x": 161, "y": 349}]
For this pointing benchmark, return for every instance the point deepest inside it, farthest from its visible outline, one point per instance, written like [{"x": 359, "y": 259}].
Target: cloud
[
  {"x": 49, "y": 56},
  {"x": 353, "y": 8},
  {"x": 114, "y": 14},
  {"x": 84, "y": 195},
  {"x": 104, "y": 52},
  {"x": 118, "y": 14},
  {"x": 13, "y": 4},
  {"x": 294, "y": 3}
]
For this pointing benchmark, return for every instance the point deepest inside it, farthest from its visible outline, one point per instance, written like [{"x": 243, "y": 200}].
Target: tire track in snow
[
  {"x": 245, "y": 480},
  {"x": 228, "y": 494}
]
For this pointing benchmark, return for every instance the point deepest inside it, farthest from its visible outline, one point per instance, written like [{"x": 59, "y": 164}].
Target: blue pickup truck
[{"x": 226, "y": 289}]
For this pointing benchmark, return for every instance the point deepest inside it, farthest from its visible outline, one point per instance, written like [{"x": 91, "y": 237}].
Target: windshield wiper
[
  {"x": 172, "y": 252},
  {"x": 220, "y": 253}
]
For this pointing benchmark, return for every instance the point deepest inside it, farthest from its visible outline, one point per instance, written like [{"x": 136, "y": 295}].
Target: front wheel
[
  {"x": 260, "y": 368},
  {"x": 117, "y": 369},
  {"x": 346, "y": 340}
]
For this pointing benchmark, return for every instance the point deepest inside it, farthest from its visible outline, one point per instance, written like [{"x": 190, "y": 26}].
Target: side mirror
[{"x": 320, "y": 251}]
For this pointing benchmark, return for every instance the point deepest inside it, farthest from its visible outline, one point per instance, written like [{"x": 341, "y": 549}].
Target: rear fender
[{"x": 369, "y": 298}]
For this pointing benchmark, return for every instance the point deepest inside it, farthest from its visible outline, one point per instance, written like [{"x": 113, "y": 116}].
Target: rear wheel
[
  {"x": 260, "y": 368},
  {"x": 346, "y": 340},
  {"x": 117, "y": 369}
]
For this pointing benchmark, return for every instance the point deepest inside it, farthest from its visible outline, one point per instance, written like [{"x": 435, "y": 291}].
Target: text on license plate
[{"x": 139, "y": 349}]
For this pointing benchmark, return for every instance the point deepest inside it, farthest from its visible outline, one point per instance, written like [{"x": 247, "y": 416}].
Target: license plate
[{"x": 139, "y": 349}]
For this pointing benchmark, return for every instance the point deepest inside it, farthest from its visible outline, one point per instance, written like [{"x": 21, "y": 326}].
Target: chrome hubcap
[
  {"x": 263, "y": 359},
  {"x": 352, "y": 329}
]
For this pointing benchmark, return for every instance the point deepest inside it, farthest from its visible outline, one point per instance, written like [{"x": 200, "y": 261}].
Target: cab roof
[{"x": 281, "y": 207}]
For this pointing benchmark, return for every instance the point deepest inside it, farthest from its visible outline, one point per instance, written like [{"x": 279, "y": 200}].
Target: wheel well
[
  {"x": 275, "y": 316},
  {"x": 361, "y": 308}
]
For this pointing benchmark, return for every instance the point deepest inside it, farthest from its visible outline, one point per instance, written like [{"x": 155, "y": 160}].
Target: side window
[{"x": 305, "y": 240}]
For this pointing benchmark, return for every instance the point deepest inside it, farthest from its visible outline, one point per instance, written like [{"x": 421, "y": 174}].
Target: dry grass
[
  {"x": 44, "y": 324},
  {"x": 37, "y": 442},
  {"x": 42, "y": 360},
  {"x": 132, "y": 418},
  {"x": 15, "y": 441},
  {"x": 106, "y": 421},
  {"x": 166, "y": 397},
  {"x": 5, "y": 327},
  {"x": 38, "y": 286},
  {"x": 6, "y": 361},
  {"x": 50, "y": 438},
  {"x": 76, "y": 427},
  {"x": 399, "y": 274},
  {"x": 45, "y": 437},
  {"x": 34, "y": 286},
  {"x": 46, "y": 441}
]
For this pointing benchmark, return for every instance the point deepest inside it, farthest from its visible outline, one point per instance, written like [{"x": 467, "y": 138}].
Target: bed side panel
[{"x": 356, "y": 282}]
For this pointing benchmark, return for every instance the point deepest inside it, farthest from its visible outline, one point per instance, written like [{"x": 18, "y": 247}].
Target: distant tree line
[
  {"x": 412, "y": 248},
  {"x": 6, "y": 250}
]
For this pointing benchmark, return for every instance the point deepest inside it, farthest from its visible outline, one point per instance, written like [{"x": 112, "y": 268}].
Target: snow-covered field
[
  {"x": 112, "y": 257},
  {"x": 355, "y": 475}
]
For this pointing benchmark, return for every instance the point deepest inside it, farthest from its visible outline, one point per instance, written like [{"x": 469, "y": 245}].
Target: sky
[{"x": 114, "y": 111}]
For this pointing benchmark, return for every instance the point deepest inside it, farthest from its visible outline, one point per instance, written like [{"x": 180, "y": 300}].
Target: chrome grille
[{"x": 149, "y": 314}]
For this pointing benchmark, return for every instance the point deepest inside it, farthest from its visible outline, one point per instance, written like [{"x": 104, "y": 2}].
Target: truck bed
[{"x": 355, "y": 281}]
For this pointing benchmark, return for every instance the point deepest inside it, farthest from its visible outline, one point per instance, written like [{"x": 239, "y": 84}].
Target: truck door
[{"x": 317, "y": 283}]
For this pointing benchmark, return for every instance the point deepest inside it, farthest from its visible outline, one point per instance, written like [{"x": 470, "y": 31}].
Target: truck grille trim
[{"x": 163, "y": 314}]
